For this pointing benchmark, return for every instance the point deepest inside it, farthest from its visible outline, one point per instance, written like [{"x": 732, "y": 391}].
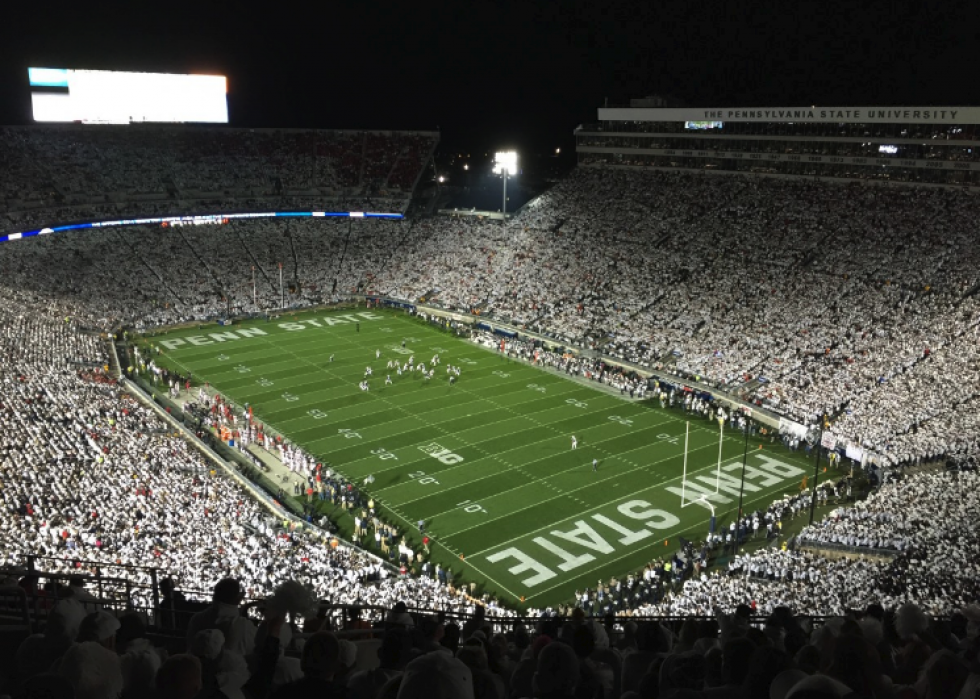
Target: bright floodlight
[{"x": 505, "y": 161}]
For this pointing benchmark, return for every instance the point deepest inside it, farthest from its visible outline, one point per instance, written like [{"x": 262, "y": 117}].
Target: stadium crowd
[
  {"x": 86, "y": 166},
  {"x": 91, "y": 476},
  {"x": 800, "y": 299},
  {"x": 869, "y": 652}
]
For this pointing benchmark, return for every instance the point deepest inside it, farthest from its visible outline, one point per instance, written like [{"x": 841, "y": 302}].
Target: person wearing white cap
[
  {"x": 557, "y": 673},
  {"x": 139, "y": 670},
  {"x": 320, "y": 662},
  {"x": 287, "y": 669},
  {"x": 436, "y": 676},
  {"x": 393, "y": 653},
  {"x": 100, "y": 627},
  {"x": 39, "y": 651},
  {"x": 347, "y": 659},
  {"x": 819, "y": 687},
  {"x": 223, "y": 614},
  {"x": 221, "y": 668},
  {"x": 93, "y": 670}
]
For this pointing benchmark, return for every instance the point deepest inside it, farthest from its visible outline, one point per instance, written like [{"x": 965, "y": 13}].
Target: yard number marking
[
  {"x": 471, "y": 507},
  {"x": 422, "y": 478}
]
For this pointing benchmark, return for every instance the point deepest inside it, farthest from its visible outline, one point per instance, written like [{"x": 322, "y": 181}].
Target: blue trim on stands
[{"x": 195, "y": 220}]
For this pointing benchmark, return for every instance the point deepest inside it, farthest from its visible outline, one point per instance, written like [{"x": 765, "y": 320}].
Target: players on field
[
  {"x": 388, "y": 380},
  {"x": 574, "y": 442},
  {"x": 363, "y": 385}
]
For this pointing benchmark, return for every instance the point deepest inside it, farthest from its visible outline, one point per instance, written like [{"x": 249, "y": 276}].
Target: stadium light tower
[{"x": 505, "y": 163}]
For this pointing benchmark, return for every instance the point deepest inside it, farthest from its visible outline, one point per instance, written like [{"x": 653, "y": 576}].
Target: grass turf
[{"x": 487, "y": 463}]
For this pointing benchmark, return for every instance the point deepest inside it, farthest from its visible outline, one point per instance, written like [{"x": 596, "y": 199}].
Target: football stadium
[{"x": 700, "y": 419}]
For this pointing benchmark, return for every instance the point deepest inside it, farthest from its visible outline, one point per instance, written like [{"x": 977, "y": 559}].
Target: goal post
[
  {"x": 687, "y": 436},
  {"x": 701, "y": 492}
]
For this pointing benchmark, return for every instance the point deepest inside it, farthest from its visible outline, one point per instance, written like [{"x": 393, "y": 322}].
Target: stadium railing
[{"x": 821, "y": 547}]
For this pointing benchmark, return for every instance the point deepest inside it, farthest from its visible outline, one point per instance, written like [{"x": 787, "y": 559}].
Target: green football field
[{"x": 487, "y": 463}]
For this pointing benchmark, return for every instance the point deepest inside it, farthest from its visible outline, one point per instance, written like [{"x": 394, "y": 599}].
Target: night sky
[{"x": 493, "y": 74}]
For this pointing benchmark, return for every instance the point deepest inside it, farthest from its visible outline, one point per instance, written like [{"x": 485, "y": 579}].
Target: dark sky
[{"x": 506, "y": 73}]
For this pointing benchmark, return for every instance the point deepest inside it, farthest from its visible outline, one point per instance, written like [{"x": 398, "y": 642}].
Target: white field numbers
[
  {"x": 265, "y": 383},
  {"x": 501, "y": 374},
  {"x": 422, "y": 478},
  {"x": 440, "y": 453},
  {"x": 384, "y": 454},
  {"x": 289, "y": 397},
  {"x": 316, "y": 414},
  {"x": 471, "y": 507},
  {"x": 576, "y": 403},
  {"x": 535, "y": 387},
  {"x": 621, "y": 420},
  {"x": 349, "y": 434}
]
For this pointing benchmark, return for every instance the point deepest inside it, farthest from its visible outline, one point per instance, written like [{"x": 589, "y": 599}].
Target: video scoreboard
[{"x": 117, "y": 97}]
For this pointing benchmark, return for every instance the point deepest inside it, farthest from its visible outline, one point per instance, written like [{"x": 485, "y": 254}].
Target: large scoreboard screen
[{"x": 115, "y": 97}]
